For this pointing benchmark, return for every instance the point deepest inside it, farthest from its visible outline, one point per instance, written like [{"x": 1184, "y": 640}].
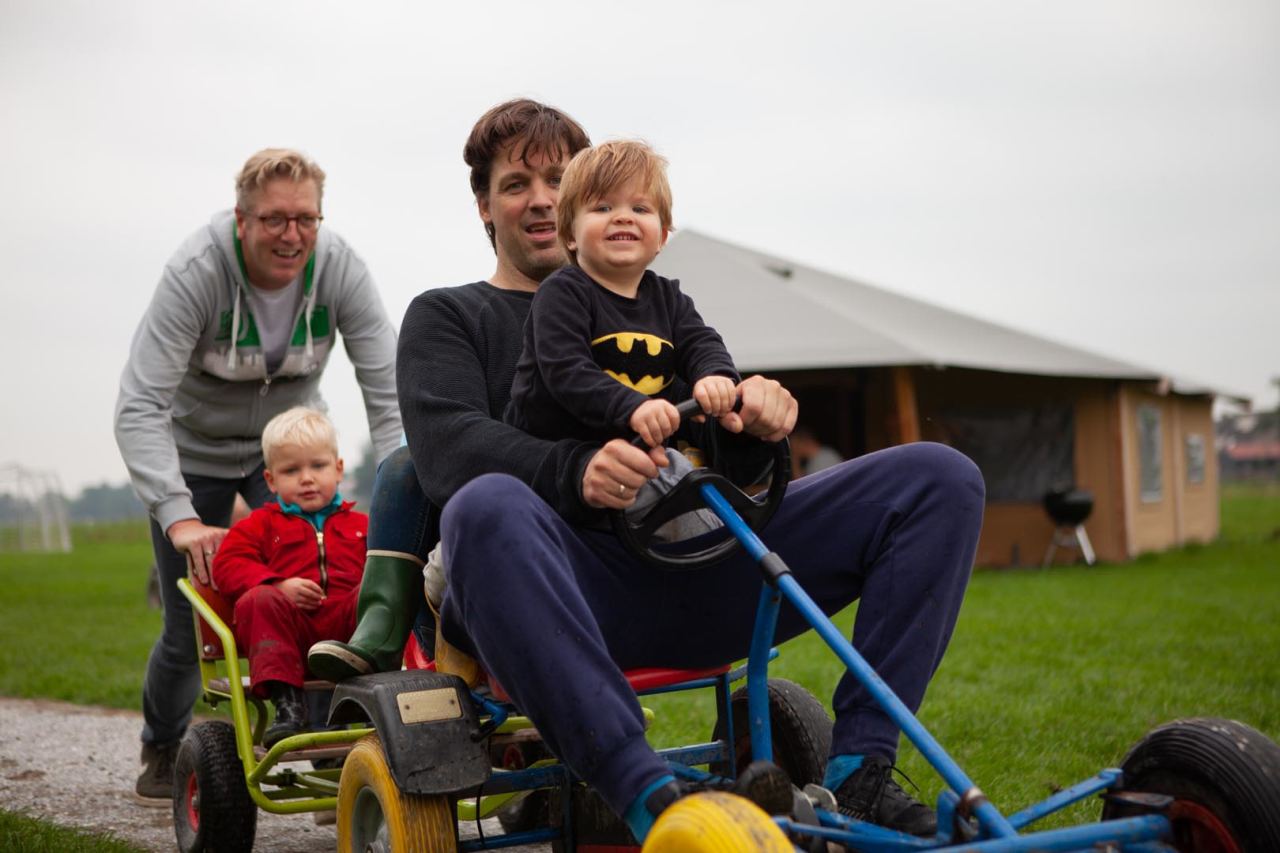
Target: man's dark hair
[{"x": 540, "y": 129}]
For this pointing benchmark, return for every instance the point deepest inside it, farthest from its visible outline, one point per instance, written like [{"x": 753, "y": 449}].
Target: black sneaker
[
  {"x": 155, "y": 784},
  {"x": 871, "y": 794},
  {"x": 291, "y": 713}
]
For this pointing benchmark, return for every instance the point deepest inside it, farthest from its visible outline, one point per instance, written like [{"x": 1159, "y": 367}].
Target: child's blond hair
[
  {"x": 593, "y": 172},
  {"x": 301, "y": 427}
]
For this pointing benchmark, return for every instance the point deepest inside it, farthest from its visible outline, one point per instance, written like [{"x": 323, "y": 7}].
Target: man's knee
[
  {"x": 396, "y": 474},
  {"x": 488, "y": 505},
  {"x": 946, "y": 471}
]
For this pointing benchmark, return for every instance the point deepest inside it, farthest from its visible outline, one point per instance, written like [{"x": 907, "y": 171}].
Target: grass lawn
[
  {"x": 1051, "y": 675},
  {"x": 76, "y": 626},
  {"x": 22, "y": 834}
]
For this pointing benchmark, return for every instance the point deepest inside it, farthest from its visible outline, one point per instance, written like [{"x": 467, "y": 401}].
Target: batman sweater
[
  {"x": 591, "y": 356},
  {"x": 455, "y": 363}
]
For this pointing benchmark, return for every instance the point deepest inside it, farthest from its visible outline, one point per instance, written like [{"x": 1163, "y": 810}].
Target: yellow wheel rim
[
  {"x": 715, "y": 822},
  {"x": 373, "y": 813}
]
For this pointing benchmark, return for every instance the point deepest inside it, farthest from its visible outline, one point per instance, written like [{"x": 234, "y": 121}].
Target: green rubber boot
[{"x": 390, "y": 595}]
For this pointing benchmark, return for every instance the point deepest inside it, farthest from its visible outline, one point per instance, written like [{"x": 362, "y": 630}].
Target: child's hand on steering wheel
[
  {"x": 654, "y": 421},
  {"x": 716, "y": 395}
]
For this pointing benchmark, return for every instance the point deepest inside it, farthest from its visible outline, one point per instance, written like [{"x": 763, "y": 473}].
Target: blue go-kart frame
[{"x": 1140, "y": 814}]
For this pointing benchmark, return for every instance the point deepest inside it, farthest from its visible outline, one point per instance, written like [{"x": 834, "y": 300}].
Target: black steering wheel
[{"x": 637, "y": 534}]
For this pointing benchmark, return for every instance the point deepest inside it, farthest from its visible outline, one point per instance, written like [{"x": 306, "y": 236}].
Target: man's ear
[
  {"x": 271, "y": 483},
  {"x": 482, "y": 204},
  {"x": 240, "y": 231}
]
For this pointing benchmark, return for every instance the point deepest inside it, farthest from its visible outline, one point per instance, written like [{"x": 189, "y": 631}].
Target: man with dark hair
[
  {"x": 555, "y": 608},
  {"x": 516, "y": 152}
]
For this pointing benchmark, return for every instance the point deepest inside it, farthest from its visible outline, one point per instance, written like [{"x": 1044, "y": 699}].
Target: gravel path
[{"x": 76, "y": 766}]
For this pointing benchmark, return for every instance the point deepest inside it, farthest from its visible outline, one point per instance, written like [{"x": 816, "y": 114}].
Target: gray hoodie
[{"x": 195, "y": 394}]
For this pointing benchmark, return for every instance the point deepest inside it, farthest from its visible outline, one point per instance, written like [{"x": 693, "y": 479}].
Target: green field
[
  {"x": 1051, "y": 675},
  {"x": 22, "y": 834}
]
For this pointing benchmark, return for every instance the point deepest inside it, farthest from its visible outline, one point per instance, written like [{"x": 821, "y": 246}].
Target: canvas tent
[{"x": 873, "y": 368}]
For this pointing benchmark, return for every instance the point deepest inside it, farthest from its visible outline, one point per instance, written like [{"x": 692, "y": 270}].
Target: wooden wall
[
  {"x": 858, "y": 410},
  {"x": 1017, "y": 533},
  {"x": 1184, "y": 511}
]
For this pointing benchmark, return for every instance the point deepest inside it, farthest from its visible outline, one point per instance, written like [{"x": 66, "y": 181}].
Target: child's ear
[
  {"x": 339, "y": 467},
  {"x": 271, "y": 483}
]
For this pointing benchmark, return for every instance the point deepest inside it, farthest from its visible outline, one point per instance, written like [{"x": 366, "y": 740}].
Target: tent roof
[{"x": 775, "y": 314}]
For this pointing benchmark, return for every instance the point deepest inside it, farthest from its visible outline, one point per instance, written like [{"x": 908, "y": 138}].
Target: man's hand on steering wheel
[
  {"x": 617, "y": 471},
  {"x": 768, "y": 410}
]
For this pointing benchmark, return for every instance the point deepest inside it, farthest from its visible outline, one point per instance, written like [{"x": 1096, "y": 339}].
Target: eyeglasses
[{"x": 276, "y": 224}]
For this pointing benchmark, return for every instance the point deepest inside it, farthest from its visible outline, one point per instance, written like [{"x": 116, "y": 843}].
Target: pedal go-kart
[{"x": 424, "y": 751}]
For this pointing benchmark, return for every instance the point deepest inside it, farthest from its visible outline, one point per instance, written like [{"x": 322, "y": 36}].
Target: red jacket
[{"x": 271, "y": 544}]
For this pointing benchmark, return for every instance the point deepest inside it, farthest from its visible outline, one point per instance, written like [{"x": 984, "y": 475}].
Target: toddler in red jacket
[{"x": 292, "y": 568}]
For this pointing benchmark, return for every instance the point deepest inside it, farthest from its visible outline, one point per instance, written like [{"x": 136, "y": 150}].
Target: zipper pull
[
  {"x": 324, "y": 570},
  {"x": 266, "y": 386}
]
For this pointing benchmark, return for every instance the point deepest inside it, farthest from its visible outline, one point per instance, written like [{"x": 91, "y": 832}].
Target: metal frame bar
[
  {"x": 297, "y": 791},
  {"x": 1001, "y": 832}
]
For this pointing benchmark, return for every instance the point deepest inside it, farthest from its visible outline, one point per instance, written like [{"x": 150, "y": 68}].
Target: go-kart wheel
[
  {"x": 1224, "y": 778},
  {"x": 374, "y": 816},
  {"x": 715, "y": 822},
  {"x": 639, "y": 535},
  {"x": 800, "y": 728},
  {"x": 212, "y": 810},
  {"x": 530, "y": 810}
]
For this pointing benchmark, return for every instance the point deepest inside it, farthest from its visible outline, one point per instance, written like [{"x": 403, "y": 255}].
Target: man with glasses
[{"x": 239, "y": 329}]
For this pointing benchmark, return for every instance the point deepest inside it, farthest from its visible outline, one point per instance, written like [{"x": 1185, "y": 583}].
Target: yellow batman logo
[{"x": 643, "y": 362}]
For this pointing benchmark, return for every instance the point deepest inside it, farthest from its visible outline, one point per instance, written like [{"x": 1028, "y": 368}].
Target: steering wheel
[{"x": 638, "y": 534}]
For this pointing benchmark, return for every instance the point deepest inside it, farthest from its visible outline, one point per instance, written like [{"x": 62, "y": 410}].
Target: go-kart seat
[
  {"x": 210, "y": 645},
  {"x": 642, "y": 680}
]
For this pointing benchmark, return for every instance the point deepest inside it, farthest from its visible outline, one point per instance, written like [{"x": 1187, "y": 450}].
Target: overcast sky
[{"x": 1103, "y": 173}]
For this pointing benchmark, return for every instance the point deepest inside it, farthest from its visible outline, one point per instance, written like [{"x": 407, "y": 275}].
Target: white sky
[{"x": 1104, "y": 173}]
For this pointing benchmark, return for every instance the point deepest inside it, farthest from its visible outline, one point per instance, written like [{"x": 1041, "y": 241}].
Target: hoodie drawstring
[
  {"x": 311, "y": 305},
  {"x": 235, "y": 332}
]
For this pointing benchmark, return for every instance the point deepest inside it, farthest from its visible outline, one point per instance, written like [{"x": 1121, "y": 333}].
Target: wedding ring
[{"x": 622, "y": 490}]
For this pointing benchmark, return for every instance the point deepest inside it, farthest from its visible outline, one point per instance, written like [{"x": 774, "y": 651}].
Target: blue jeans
[
  {"x": 171, "y": 685},
  {"x": 556, "y": 613}
]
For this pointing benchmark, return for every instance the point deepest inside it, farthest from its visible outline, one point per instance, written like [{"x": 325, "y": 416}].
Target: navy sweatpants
[{"x": 556, "y": 612}]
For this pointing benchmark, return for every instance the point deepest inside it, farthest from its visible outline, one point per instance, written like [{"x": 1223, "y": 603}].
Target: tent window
[
  {"x": 1195, "y": 458},
  {"x": 1150, "y": 473},
  {"x": 1022, "y": 453}
]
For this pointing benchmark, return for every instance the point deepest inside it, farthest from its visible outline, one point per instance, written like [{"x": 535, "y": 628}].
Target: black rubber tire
[
  {"x": 1221, "y": 767},
  {"x": 595, "y": 825},
  {"x": 801, "y": 732},
  {"x": 531, "y": 811},
  {"x": 212, "y": 810}
]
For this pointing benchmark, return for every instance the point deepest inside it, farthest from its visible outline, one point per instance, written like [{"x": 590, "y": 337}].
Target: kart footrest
[
  {"x": 307, "y": 753},
  {"x": 223, "y": 685}
]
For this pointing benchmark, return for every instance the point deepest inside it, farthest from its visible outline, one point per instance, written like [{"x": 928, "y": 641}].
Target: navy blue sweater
[{"x": 455, "y": 362}]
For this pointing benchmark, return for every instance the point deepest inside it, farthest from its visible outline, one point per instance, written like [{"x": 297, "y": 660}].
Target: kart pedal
[{"x": 821, "y": 798}]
